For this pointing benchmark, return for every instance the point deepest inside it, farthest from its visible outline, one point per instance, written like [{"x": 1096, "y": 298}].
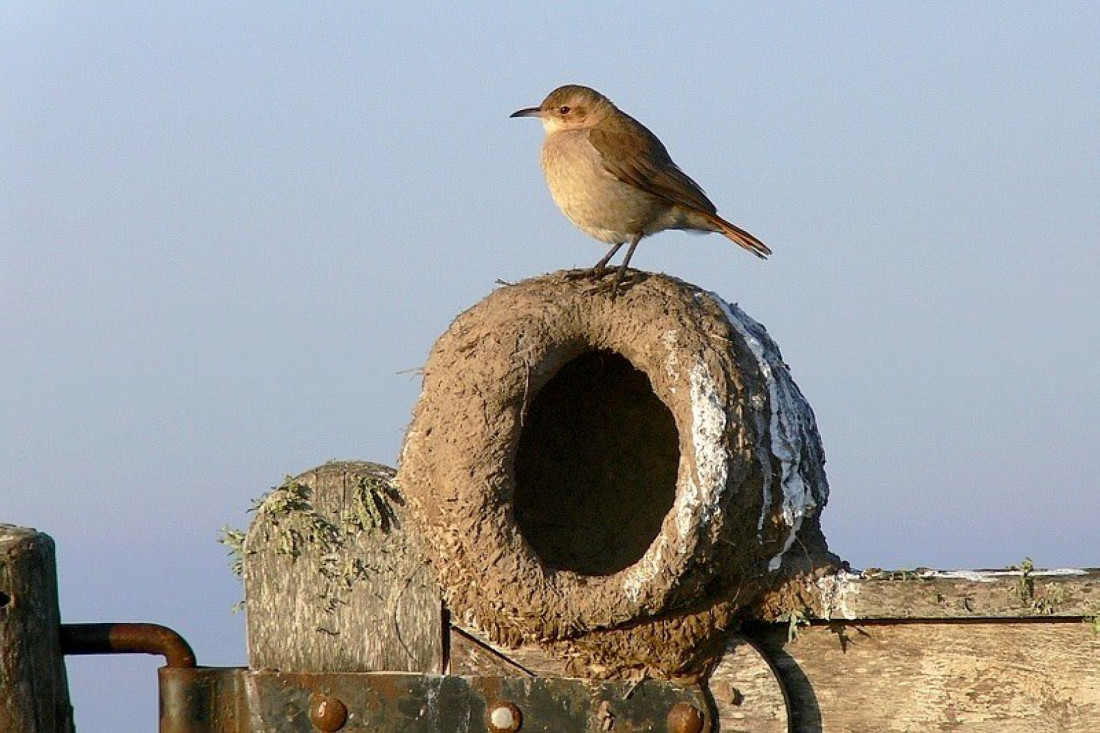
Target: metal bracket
[{"x": 235, "y": 700}]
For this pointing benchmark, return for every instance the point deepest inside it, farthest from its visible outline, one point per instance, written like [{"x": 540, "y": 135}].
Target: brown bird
[{"x": 615, "y": 180}]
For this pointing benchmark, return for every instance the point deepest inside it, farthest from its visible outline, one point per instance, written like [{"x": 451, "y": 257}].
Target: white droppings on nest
[
  {"x": 686, "y": 507},
  {"x": 836, "y": 591},
  {"x": 700, "y": 496},
  {"x": 708, "y": 430},
  {"x": 791, "y": 428},
  {"x": 640, "y": 574}
]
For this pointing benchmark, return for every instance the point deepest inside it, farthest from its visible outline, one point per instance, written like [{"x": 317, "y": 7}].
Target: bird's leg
[
  {"x": 597, "y": 269},
  {"x": 626, "y": 261}
]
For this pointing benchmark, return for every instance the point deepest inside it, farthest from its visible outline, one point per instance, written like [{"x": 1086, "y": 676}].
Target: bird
[{"x": 615, "y": 180}]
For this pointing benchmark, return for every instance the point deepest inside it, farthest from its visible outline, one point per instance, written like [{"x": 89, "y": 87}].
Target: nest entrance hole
[{"x": 596, "y": 466}]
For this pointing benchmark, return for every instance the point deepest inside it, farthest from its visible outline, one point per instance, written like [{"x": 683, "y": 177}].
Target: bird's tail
[{"x": 738, "y": 235}]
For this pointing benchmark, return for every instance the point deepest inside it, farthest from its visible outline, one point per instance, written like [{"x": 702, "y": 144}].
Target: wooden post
[
  {"x": 34, "y": 693},
  {"x": 334, "y": 581}
]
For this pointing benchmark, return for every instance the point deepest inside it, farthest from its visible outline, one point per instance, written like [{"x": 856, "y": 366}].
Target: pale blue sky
[{"x": 227, "y": 232}]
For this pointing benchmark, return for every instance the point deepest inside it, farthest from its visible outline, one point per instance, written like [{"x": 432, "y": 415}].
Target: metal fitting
[
  {"x": 327, "y": 713},
  {"x": 685, "y": 718},
  {"x": 504, "y": 717}
]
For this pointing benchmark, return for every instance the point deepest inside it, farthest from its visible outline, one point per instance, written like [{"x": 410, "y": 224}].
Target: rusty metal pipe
[{"x": 127, "y": 639}]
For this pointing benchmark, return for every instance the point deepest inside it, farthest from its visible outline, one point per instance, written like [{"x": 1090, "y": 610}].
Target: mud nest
[{"x": 580, "y": 465}]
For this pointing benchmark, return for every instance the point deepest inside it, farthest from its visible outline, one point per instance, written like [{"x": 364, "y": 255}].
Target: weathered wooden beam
[
  {"x": 996, "y": 676},
  {"x": 34, "y": 692},
  {"x": 1021, "y": 592}
]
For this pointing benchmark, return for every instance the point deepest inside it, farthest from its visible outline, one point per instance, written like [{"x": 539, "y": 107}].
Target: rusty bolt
[
  {"x": 504, "y": 717},
  {"x": 684, "y": 718},
  {"x": 327, "y": 713}
]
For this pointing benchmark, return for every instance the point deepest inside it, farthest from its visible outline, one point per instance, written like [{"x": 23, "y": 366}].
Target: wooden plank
[
  {"x": 34, "y": 691},
  {"x": 1023, "y": 592},
  {"x": 916, "y": 676},
  {"x": 747, "y": 694},
  {"x": 333, "y": 577}
]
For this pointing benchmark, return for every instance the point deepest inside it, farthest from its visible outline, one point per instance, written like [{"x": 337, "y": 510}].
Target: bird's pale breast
[{"x": 598, "y": 203}]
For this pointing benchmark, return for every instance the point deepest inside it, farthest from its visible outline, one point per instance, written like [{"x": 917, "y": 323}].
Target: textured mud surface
[{"x": 610, "y": 478}]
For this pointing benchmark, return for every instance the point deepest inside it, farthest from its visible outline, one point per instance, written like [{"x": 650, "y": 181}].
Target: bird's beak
[{"x": 528, "y": 112}]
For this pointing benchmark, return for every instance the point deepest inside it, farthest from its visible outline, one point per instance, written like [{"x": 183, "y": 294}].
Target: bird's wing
[{"x": 635, "y": 156}]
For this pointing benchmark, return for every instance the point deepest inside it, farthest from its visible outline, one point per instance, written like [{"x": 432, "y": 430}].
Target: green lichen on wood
[
  {"x": 233, "y": 538},
  {"x": 372, "y": 507},
  {"x": 292, "y": 527},
  {"x": 295, "y": 524}
]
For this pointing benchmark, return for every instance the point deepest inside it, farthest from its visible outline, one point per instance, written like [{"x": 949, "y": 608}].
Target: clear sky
[{"x": 229, "y": 233}]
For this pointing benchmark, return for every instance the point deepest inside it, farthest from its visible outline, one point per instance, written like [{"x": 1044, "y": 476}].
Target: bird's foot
[
  {"x": 623, "y": 281},
  {"x": 590, "y": 273}
]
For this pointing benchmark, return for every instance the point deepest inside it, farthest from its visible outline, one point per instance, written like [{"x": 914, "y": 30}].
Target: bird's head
[{"x": 569, "y": 107}]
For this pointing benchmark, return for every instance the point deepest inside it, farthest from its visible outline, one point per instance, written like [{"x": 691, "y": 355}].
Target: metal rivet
[
  {"x": 684, "y": 718},
  {"x": 504, "y": 717},
  {"x": 327, "y": 713}
]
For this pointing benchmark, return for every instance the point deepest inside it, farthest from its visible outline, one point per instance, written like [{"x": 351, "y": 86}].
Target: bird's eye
[{"x": 564, "y": 109}]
